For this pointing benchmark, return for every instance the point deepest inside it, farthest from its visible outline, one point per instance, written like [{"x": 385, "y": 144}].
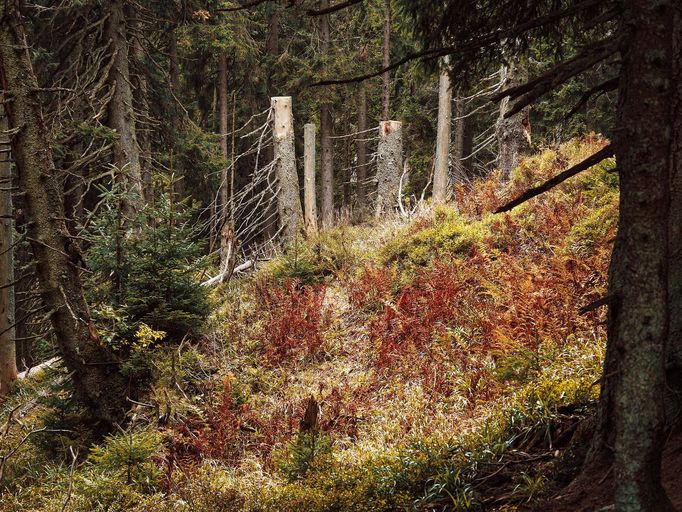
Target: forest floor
[{"x": 433, "y": 363}]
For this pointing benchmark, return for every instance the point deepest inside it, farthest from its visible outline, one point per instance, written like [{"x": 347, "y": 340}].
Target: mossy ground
[{"x": 447, "y": 354}]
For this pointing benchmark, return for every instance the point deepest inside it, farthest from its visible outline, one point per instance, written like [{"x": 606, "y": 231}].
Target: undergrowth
[{"x": 448, "y": 356}]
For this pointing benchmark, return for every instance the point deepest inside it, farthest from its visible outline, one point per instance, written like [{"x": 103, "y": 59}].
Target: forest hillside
[
  {"x": 436, "y": 363},
  {"x": 340, "y": 255}
]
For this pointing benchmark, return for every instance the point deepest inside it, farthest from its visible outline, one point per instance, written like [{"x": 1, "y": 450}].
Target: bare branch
[
  {"x": 529, "y": 92},
  {"x": 593, "y": 160},
  {"x": 333, "y": 8},
  {"x": 600, "y": 89}
]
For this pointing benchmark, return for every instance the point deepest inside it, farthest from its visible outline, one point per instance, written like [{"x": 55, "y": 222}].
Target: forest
[{"x": 340, "y": 255}]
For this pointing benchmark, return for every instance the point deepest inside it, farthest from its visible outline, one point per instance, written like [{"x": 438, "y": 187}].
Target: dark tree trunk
[
  {"x": 509, "y": 131},
  {"x": 121, "y": 113},
  {"x": 97, "y": 382},
  {"x": 272, "y": 51},
  {"x": 631, "y": 419},
  {"x": 223, "y": 114},
  {"x": 8, "y": 363},
  {"x": 362, "y": 147},
  {"x": 176, "y": 125},
  {"x": 386, "y": 61},
  {"x": 141, "y": 95}
]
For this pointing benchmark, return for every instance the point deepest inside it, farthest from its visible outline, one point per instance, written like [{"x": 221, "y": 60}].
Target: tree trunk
[
  {"x": 510, "y": 131},
  {"x": 309, "y": 179},
  {"x": 272, "y": 51},
  {"x": 457, "y": 149},
  {"x": 441, "y": 188},
  {"x": 386, "y": 61},
  {"x": 325, "y": 134},
  {"x": 8, "y": 356},
  {"x": 390, "y": 166},
  {"x": 361, "y": 145},
  {"x": 223, "y": 114},
  {"x": 174, "y": 71},
  {"x": 121, "y": 113},
  {"x": 141, "y": 94},
  {"x": 176, "y": 125},
  {"x": 96, "y": 380},
  {"x": 640, "y": 318},
  {"x": 675, "y": 287},
  {"x": 288, "y": 195}
]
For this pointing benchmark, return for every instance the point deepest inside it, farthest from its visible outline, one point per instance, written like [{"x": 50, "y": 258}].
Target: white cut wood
[{"x": 237, "y": 270}]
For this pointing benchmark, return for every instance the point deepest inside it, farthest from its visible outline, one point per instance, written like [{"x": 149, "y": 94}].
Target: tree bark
[
  {"x": 98, "y": 384},
  {"x": 327, "y": 202},
  {"x": 223, "y": 114},
  {"x": 361, "y": 145},
  {"x": 8, "y": 356},
  {"x": 121, "y": 113},
  {"x": 272, "y": 51},
  {"x": 457, "y": 149},
  {"x": 176, "y": 117},
  {"x": 675, "y": 287},
  {"x": 510, "y": 131},
  {"x": 309, "y": 178},
  {"x": 288, "y": 196},
  {"x": 141, "y": 95},
  {"x": 386, "y": 61},
  {"x": 441, "y": 185},
  {"x": 390, "y": 166},
  {"x": 640, "y": 318}
]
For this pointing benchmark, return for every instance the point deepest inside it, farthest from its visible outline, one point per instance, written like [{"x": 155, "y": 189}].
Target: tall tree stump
[
  {"x": 288, "y": 198},
  {"x": 309, "y": 198},
  {"x": 390, "y": 166}
]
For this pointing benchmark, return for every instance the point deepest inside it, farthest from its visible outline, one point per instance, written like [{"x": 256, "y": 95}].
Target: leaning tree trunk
[
  {"x": 97, "y": 382},
  {"x": 121, "y": 113},
  {"x": 440, "y": 174},
  {"x": 632, "y": 417},
  {"x": 8, "y": 356}
]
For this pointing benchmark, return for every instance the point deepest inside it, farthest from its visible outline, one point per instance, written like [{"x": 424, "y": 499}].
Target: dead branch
[{"x": 591, "y": 161}]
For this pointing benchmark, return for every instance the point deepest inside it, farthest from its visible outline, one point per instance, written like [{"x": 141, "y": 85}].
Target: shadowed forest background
[{"x": 364, "y": 255}]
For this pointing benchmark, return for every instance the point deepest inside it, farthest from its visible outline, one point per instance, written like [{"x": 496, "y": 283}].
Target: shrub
[
  {"x": 145, "y": 270},
  {"x": 305, "y": 452},
  {"x": 372, "y": 287},
  {"x": 295, "y": 318},
  {"x": 129, "y": 456},
  {"x": 448, "y": 235}
]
